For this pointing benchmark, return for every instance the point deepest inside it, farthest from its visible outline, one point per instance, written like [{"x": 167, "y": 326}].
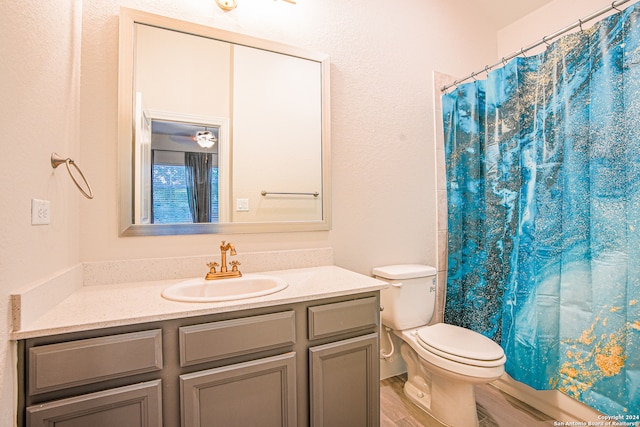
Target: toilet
[{"x": 444, "y": 362}]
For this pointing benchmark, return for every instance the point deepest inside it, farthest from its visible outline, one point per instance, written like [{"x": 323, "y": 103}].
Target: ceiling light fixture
[
  {"x": 205, "y": 139},
  {"x": 227, "y": 5}
]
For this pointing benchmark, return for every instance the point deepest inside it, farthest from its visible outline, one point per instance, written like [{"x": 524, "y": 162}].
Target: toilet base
[
  {"x": 445, "y": 398},
  {"x": 418, "y": 397},
  {"x": 465, "y": 414}
]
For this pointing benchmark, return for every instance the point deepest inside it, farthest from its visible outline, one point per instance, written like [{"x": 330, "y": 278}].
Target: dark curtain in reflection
[{"x": 198, "y": 169}]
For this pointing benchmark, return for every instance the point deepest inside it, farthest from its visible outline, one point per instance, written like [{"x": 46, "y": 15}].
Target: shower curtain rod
[{"x": 545, "y": 40}]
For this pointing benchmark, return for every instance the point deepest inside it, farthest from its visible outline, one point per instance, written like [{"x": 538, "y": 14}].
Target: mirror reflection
[
  {"x": 184, "y": 174},
  {"x": 227, "y": 133}
]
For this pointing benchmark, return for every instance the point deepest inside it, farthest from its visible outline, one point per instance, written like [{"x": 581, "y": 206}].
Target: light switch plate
[{"x": 40, "y": 212}]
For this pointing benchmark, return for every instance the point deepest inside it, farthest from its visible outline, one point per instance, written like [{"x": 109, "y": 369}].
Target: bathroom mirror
[{"x": 219, "y": 132}]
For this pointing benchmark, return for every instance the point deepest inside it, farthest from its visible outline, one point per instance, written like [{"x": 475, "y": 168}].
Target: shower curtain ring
[
  {"x": 544, "y": 40},
  {"x": 580, "y": 25},
  {"x": 504, "y": 61},
  {"x": 613, "y": 6},
  {"x": 487, "y": 69},
  {"x": 522, "y": 52},
  {"x": 473, "y": 76}
]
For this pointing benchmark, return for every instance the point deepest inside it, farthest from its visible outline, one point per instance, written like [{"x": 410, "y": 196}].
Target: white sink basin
[{"x": 201, "y": 290}]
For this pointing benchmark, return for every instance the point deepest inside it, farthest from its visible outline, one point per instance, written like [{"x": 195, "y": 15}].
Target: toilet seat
[{"x": 460, "y": 345}]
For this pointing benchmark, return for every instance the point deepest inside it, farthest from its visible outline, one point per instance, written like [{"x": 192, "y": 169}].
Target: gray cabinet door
[
  {"x": 137, "y": 405},
  {"x": 344, "y": 383},
  {"x": 259, "y": 393}
]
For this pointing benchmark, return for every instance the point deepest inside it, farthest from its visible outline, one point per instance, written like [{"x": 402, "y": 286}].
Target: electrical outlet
[
  {"x": 242, "y": 205},
  {"x": 40, "y": 212}
]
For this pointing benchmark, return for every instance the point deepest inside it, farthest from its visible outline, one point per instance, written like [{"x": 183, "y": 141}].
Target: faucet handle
[
  {"x": 212, "y": 266},
  {"x": 234, "y": 265}
]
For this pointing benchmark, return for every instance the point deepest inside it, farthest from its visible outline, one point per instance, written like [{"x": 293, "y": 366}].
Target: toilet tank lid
[{"x": 404, "y": 271}]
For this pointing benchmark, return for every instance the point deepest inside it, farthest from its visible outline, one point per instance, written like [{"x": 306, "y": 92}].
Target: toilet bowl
[
  {"x": 444, "y": 362},
  {"x": 442, "y": 383}
]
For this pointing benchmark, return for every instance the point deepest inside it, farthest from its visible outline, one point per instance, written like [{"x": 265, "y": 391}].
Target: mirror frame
[{"x": 126, "y": 125}]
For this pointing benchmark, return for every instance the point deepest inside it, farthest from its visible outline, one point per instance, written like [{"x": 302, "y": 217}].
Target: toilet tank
[{"x": 411, "y": 299}]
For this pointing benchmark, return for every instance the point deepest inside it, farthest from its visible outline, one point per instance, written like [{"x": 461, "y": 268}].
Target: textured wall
[
  {"x": 545, "y": 21},
  {"x": 39, "y": 113},
  {"x": 383, "y": 150}
]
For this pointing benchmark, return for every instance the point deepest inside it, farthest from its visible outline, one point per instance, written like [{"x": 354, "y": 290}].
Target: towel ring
[{"x": 56, "y": 161}]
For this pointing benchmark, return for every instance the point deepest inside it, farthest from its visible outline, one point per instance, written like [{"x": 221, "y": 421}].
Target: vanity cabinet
[
  {"x": 312, "y": 363},
  {"x": 342, "y": 373},
  {"x": 259, "y": 392},
  {"x": 79, "y": 364}
]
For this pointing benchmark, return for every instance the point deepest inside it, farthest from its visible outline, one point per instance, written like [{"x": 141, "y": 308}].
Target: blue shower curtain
[{"x": 543, "y": 184}]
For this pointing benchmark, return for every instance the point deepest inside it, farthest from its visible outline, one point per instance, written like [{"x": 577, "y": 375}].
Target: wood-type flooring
[{"x": 495, "y": 408}]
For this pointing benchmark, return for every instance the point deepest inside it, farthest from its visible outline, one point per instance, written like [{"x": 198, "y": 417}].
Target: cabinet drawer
[
  {"x": 134, "y": 405},
  {"x": 74, "y": 363},
  {"x": 341, "y": 317},
  {"x": 229, "y": 338}
]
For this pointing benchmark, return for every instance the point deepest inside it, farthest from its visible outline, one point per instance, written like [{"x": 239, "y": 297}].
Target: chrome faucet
[{"x": 224, "y": 272}]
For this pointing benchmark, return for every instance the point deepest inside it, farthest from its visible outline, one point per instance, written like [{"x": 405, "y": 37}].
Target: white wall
[
  {"x": 382, "y": 133},
  {"x": 547, "y": 20},
  {"x": 39, "y": 112},
  {"x": 383, "y": 154}
]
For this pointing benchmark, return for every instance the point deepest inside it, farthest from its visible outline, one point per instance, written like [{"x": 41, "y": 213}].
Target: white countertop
[{"x": 102, "y": 306}]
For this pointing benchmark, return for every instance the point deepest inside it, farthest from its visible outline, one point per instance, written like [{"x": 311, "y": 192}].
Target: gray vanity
[
  {"x": 300, "y": 358},
  {"x": 121, "y": 355}
]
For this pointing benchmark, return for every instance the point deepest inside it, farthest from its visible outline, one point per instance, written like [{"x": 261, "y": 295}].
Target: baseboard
[
  {"x": 391, "y": 367},
  {"x": 551, "y": 402}
]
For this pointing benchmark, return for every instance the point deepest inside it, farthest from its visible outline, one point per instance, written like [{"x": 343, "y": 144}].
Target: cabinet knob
[{"x": 382, "y": 308}]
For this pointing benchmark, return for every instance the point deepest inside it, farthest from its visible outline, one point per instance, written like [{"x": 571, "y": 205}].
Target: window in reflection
[
  {"x": 184, "y": 186},
  {"x": 170, "y": 197}
]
